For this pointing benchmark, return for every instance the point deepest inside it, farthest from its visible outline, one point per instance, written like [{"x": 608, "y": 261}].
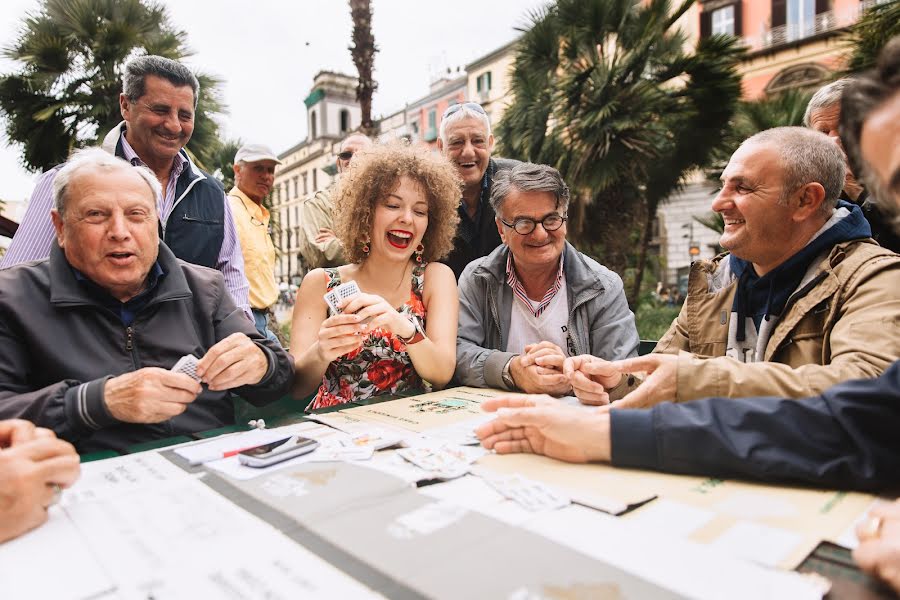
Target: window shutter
[
  {"x": 822, "y": 6},
  {"x": 738, "y": 19},
  {"x": 705, "y": 24},
  {"x": 779, "y": 13}
]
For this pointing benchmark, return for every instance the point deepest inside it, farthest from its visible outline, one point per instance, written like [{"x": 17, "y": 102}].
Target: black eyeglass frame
[
  {"x": 346, "y": 155},
  {"x": 515, "y": 225}
]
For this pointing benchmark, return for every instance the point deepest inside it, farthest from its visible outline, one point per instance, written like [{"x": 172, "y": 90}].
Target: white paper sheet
[
  {"x": 679, "y": 565},
  {"x": 57, "y": 545}
]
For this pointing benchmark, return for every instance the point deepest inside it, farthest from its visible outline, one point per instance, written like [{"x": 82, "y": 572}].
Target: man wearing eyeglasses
[
  {"x": 254, "y": 175},
  {"x": 536, "y": 300},
  {"x": 466, "y": 139},
  {"x": 318, "y": 244}
]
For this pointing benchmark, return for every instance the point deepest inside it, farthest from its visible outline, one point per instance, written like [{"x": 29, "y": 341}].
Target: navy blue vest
[{"x": 195, "y": 229}]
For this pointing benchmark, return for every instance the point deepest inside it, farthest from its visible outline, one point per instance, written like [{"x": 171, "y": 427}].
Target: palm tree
[
  {"x": 606, "y": 93},
  {"x": 222, "y": 164},
  {"x": 777, "y": 110},
  {"x": 868, "y": 36},
  {"x": 363, "y": 52},
  {"x": 65, "y": 94}
]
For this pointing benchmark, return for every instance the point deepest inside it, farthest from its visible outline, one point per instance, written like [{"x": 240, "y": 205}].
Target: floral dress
[{"x": 381, "y": 365}]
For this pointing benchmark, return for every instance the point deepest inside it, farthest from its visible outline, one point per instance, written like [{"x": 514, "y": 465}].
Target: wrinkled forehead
[
  {"x": 755, "y": 158},
  {"x": 92, "y": 181},
  {"x": 355, "y": 144},
  {"x": 468, "y": 127}
]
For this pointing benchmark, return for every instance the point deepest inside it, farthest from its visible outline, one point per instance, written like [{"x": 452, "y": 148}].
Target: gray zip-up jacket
[
  {"x": 600, "y": 322},
  {"x": 59, "y": 345}
]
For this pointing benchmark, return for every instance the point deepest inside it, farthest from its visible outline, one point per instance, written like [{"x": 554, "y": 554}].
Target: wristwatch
[
  {"x": 507, "y": 376},
  {"x": 417, "y": 336}
]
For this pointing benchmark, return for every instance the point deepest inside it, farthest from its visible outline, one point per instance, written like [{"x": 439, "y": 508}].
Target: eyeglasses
[
  {"x": 455, "y": 108},
  {"x": 524, "y": 225},
  {"x": 346, "y": 155}
]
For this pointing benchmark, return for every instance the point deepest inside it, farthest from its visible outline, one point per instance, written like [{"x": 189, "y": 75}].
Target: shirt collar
[
  {"x": 254, "y": 209},
  {"x": 178, "y": 163},
  {"x": 512, "y": 280}
]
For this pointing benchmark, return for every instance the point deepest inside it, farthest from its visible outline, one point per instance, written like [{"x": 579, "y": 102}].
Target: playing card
[
  {"x": 187, "y": 364},
  {"x": 335, "y": 297}
]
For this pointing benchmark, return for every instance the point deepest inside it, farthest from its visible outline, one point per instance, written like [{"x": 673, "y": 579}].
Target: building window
[
  {"x": 296, "y": 189},
  {"x": 312, "y": 125},
  {"x": 723, "y": 21},
  {"x": 314, "y": 183},
  {"x": 483, "y": 83},
  {"x": 345, "y": 120},
  {"x": 431, "y": 130},
  {"x": 305, "y": 186},
  {"x": 801, "y": 18}
]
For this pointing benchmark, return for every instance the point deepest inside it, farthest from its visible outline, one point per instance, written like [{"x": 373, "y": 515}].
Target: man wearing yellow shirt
[{"x": 254, "y": 175}]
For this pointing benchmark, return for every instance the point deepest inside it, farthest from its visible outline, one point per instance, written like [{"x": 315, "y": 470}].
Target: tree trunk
[
  {"x": 363, "y": 52},
  {"x": 641, "y": 261}
]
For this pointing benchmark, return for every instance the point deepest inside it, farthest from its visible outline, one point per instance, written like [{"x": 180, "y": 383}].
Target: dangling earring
[
  {"x": 365, "y": 247},
  {"x": 418, "y": 253}
]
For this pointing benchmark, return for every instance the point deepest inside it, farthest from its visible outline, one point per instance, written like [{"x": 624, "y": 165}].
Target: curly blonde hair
[{"x": 374, "y": 173}]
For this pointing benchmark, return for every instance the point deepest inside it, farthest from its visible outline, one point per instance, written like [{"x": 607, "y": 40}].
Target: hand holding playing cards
[
  {"x": 149, "y": 395},
  {"x": 543, "y": 425},
  {"x": 382, "y": 315},
  {"x": 233, "y": 362}
]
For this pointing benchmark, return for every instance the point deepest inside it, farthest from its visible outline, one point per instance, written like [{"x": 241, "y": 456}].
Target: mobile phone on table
[{"x": 277, "y": 451}]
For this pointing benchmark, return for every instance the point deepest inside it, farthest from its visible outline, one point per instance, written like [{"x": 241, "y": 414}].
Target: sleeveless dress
[{"x": 381, "y": 365}]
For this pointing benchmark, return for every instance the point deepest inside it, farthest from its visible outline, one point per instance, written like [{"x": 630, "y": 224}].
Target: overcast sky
[{"x": 268, "y": 51}]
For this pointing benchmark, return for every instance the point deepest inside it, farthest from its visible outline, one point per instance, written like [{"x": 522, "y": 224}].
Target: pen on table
[{"x": 218, "y": 455}]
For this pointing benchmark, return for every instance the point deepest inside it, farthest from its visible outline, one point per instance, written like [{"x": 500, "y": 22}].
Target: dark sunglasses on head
[
  {"x": 346, "y": 155},
  {"x": 455, "y": 107}
]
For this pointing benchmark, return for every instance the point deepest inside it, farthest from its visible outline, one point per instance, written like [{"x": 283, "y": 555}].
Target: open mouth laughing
[{"x": 399, "y": 238}]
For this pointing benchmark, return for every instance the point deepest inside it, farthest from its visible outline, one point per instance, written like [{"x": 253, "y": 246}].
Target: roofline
[{"x": 478, "y": 62}]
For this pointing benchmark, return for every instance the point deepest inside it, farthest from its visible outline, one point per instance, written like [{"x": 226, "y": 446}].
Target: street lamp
[{"x": 693, "y": 245}]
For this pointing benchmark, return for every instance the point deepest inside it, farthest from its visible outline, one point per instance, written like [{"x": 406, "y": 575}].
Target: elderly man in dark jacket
[{"x": 87, "y": 336}]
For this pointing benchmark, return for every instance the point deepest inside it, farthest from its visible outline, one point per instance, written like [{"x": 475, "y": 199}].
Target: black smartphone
[{"x": 277, "y": 451}]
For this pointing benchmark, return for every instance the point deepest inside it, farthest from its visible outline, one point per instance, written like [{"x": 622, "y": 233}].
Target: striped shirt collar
[
  {"x": 512, "y": 280},
  {"x": 178, "y": 166}
]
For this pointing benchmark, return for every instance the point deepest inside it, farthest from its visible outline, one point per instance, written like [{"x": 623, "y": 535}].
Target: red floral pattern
[{"x": 381, "y": 365}]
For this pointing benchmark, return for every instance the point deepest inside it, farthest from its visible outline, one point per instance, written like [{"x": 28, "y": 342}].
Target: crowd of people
[{"x": 782, "y": 364}]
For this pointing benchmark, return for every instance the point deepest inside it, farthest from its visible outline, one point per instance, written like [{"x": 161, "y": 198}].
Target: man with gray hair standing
[
  {"x": 158, "y": 100},
  {"x": 465, "y": 138},
  {"x": 823, "y": 113},
  {"x": 536, "y": 300}
]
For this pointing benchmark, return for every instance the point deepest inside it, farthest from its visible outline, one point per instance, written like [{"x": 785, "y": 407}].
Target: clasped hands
[
  {"x": 153, "y": 394},
  {"x": 544, "y": 369},
  {"x": 345, "y": 332},
  {"x": 541, "y": 424}
]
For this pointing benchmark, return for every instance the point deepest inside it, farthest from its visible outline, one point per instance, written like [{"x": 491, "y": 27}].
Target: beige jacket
[
  {"x": 316, "y": 213},
  {"x": 843, "y": 324}
]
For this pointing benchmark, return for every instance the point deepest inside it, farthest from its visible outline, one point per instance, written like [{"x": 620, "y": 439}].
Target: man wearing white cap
[{"x": 254, "y": 175}]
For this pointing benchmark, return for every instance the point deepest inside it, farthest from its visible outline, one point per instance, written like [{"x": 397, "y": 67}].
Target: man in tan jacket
[
  {"x": 318, "y": 244},
  {"x": 803, "y": 300}
]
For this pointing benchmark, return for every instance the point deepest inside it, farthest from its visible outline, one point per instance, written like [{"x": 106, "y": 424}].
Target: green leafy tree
[
  {"x": 65, "y": 94},
  {"x": 868, "y": 36},
  {"x": 777, "y": 110},
  {"x": 222, "y": 162},
  {"x": 606, "y": 92}
]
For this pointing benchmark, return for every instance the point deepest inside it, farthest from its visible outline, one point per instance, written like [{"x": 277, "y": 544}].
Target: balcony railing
[{"x": 823, "y": 22}]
